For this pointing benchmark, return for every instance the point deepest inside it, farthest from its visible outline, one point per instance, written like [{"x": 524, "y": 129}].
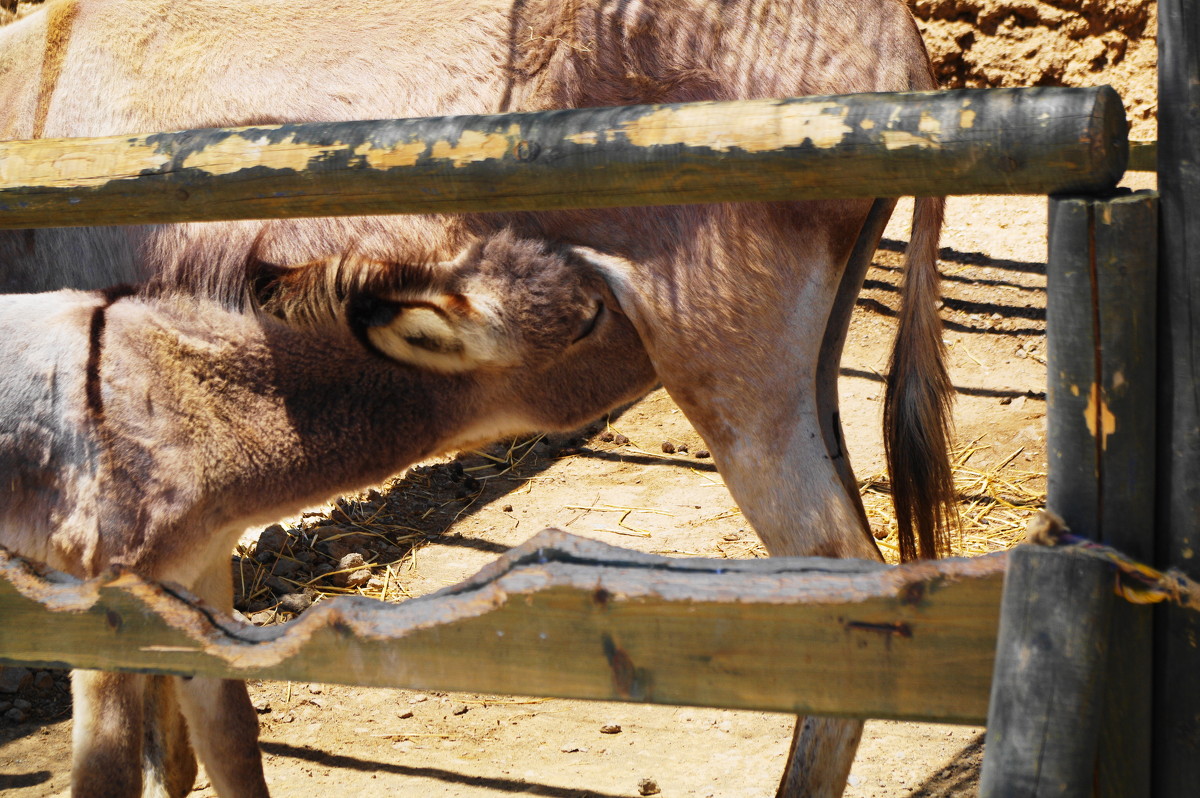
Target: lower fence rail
[{"x": 568, "y": 617}]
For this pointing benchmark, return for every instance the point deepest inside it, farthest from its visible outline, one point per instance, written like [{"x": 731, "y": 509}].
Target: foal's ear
[{"x": 444, "y": 332}]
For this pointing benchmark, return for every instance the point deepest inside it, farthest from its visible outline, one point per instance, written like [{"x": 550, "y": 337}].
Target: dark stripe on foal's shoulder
[{"x": 95, "y": 401}]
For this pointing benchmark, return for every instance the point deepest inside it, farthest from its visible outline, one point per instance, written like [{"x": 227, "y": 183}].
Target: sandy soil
[{"x": 628, "y": 492}]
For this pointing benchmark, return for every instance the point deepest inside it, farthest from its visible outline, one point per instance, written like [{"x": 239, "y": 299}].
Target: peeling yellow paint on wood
[
  {"x": 588, "y": 137},
  {"x": 966, "y": 119},
  {"x": 867, "y": 124},
  {"x": 473, "y": 146},
  {"x": 751, "y": 127},
  {"x": 1100, "y": 420},
  {"x": 405, "y": 154},
  {"x": 1074, "y": 390},
  {"x": 233, "y": 153},
  {"x": 900, "y": 139},
  {"x": 929, "y": 124},
  {"x": 26, "y": 162}
]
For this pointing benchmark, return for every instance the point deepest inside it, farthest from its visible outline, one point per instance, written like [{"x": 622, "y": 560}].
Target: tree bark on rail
[{"x": 572, "y": 618}]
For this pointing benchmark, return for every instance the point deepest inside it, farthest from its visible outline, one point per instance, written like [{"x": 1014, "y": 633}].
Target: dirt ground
[{"x": 613, "y": 481}]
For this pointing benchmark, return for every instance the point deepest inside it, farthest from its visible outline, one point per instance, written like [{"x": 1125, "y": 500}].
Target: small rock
[
  {"x": 620, "y": 440},
  {"x": 405, "y": 715},
  {"x": 286, "y": 566},
  {"x": 573, "y": 749},
  {"x": 607, "y": 436},
  {"x": 316, "y": 689},
  {"x": 1006, "y": 400},
  {"x": 44, "y": 681},
  {"x": 270, "y": 542},
  {"x": 648, "y": 787},
  {"x": 5, "y": 706},
  {"x": 13, "y": 679},
  {"x": 668, "y": 447},
  {"x": 682, "y": 448},
  {"x": 264, "y": 618},
  {"x": 702, "y": 454},
  {"x": 358, "y": 578},
  {"x": 351, "y": 560},
  {"x": 295, "y": 603},
  {"x": 280, "y": 587},
  {"x": 375, "y": 583},
  {"x": 22, "y": 705},
  {"x": 610, "y": 728},
  {"x": 418, "y": 698},
  {"x": 14, "y": 715},
  {"x": 460, "y": 709},
  {"x": 508, "y": 508},
  {"x": 262, "y": 706}
]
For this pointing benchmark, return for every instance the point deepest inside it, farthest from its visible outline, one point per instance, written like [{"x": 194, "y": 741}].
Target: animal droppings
[{"x": 648, "y": 787}]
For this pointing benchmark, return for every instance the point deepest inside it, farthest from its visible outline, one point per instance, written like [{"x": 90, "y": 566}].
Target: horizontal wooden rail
[
  {"x": 568, "y": 617},
  {"x": 994, "y": 141}
]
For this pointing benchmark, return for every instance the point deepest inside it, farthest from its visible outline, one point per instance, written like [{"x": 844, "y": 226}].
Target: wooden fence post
[
  {"x": 1177, "y": 632},
  {"x": 1046, "y": 690},
  {"x": 1100, "y": 321}
]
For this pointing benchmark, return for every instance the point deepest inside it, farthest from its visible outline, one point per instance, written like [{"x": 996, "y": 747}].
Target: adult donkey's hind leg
[
  {"x": 823, "y": 749},
  {"x": 759, "y": 299}
]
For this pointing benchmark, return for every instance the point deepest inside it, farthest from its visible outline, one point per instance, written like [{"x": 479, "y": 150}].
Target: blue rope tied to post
[{"x": 1136, "y": 582}]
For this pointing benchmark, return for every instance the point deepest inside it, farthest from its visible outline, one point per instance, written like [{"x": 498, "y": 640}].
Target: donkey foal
[{"x": 148, "y": 430}]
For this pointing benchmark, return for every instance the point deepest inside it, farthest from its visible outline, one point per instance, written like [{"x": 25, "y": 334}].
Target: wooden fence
[{"x": 827, "y": 637}]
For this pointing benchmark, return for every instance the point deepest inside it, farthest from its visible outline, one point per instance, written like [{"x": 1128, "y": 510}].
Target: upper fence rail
[{"x": 991, "y": 141}]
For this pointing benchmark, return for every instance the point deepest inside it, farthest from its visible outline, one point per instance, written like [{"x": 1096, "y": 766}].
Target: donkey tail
[{"x": 916, "y": 410}]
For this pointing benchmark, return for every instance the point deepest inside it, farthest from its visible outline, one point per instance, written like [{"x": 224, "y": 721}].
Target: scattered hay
[
  {"x": 363, "y": 544},
  {"x": 995, "y": 504},
  {"x": 367, "y": 544}
]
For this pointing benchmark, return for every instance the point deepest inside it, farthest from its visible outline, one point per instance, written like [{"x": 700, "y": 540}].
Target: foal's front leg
[
  {"x": 220, "y": 717},
  {"x": 107, "y": 734}
]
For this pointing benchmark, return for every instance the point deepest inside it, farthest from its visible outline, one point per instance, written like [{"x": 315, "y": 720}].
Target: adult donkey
[{"x": 742, "y": 308}]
